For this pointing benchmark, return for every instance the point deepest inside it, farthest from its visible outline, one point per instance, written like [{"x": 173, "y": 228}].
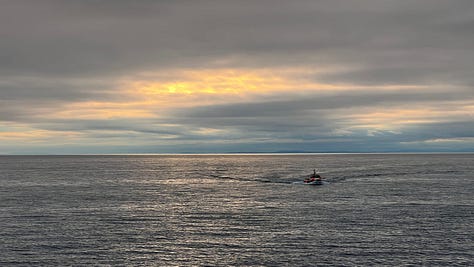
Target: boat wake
[
  {"x": 271, "y": 180},
  {"x": 303, "y": 183}
]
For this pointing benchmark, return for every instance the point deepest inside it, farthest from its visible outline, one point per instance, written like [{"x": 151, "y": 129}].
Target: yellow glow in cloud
[
  {"x": 225, "y": 82},
  {"x": 150, "y": 96},
  {"x": 37, "y": 136},
  {"x": 104, "y": 110},
  {"x": 443, "y": 141},
  {"x": 393, "y": 118},
  {"x": 209, "y": 131},
  {"x": 190, "y": 88},
  {"x": 212, "y": 82}
]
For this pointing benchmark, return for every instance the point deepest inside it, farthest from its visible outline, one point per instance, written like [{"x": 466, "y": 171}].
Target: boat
[
  {"x": 313, "y": 182},
  {"x": 314, "y": 179}
]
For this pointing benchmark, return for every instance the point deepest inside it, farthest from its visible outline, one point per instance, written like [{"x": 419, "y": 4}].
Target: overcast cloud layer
[{"x": 148, "y": 76}]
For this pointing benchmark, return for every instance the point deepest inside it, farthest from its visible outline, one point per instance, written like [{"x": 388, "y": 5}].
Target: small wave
[
  {"x": 389, "y": 174},
  {"x": 303, "y": 183},
  {"x": 243, "y": 179}
]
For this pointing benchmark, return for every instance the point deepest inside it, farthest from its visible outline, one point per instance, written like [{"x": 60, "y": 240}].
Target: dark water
[{"x": 240, "y": 210}]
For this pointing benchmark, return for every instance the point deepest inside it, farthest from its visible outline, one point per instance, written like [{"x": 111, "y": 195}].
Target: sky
[{"x": 143, "y": 76}]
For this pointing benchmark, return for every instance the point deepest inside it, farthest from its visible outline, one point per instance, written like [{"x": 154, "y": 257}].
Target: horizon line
[{"x": 244, "y": 153}]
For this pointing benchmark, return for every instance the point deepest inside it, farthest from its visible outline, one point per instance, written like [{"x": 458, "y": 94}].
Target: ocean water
[{"x": 237, "y": 210}]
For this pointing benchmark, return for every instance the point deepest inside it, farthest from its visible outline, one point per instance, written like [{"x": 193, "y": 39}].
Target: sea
[{"x": 237, "y": 210}]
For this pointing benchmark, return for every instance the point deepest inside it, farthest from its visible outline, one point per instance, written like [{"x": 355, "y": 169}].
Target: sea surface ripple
[{"x": 237, "y": 210}]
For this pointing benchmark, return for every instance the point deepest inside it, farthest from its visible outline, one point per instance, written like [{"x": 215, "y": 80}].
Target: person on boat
[{"x": 315, "y": 175}]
